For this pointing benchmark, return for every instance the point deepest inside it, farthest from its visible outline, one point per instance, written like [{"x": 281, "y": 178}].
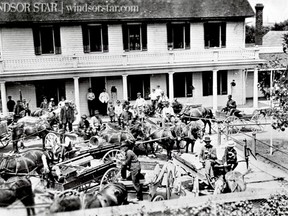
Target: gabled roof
[
  {"x": 147, "y": 10},
  {"x": 273, "y": 38}
]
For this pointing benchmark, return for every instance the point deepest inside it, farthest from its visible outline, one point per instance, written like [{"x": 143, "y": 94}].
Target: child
[
  {"x": 111, "y": 111},
  {"x": 118, "y": 111}
]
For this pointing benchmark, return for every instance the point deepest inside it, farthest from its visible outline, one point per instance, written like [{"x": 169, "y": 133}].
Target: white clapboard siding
[
  {"x": 157, "y": 37},
  {"x": 115, "y": 39},
  {"x": 197, "y": 36},
  {"x": 17, "y": 43},
  {"x": 71, "y": 40},
  {"x": 235, "y": 35}
]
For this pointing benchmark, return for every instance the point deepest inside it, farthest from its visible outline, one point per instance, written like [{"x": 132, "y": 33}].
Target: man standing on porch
[
  {"x": 104, "y": 98},
  {"x": 90, "y": 99}
]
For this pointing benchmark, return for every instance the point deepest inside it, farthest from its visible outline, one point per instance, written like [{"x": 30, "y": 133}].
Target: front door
[{"x": 97, "y": 84}]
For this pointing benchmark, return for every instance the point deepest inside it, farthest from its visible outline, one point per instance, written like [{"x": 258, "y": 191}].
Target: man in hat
[
  {"x": 104, "y": 98},
  {"x": 95, "y": 123},
  {"x": 230, "y": 155},
  {"x": 67, "y": 116},
  {"x": 168, "y": 112},
  {"x": 230, "y": 106},
  {"x": 132, "y": 164},
  {"x": 208, "y": 157},
  {"x": 83, "y": 127}
]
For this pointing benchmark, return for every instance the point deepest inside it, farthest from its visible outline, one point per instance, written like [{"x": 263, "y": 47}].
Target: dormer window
[
  {"x": 178, "y": 35},
  {"x": 47, "y": 40},
  {"x": 215, "y": 35}
]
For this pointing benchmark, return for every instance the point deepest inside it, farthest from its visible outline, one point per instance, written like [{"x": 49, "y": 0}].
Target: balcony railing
[{"x": 42, "y": 63}]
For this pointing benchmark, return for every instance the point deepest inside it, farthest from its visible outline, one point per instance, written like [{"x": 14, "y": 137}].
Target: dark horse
[
  {"x": 112, "y": 194},
  {"x": 199, "y": 113},
  {"x": 27, "y": 127},
  {"x": 188, "y": 133},
  {"x": 32, "y": 160},
  {"x": 17, "y": 188}
]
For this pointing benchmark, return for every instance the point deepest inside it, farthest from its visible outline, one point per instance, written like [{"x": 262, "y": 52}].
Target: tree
[{"x": 279, "y": 87}]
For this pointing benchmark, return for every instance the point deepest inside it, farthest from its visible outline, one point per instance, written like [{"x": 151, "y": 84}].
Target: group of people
[
  {"x": 103, "y": 98},
  {"x": 208, "y": 157},
  {"x": 19, "y": 108}
]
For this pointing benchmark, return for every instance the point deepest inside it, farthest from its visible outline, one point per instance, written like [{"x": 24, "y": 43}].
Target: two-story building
[{"x": 192, "y": 49}]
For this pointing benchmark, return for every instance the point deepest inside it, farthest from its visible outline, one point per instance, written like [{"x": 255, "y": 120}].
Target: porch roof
[{"x": 152, "y": 10}]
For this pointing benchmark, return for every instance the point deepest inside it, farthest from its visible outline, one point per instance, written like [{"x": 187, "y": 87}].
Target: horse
[
  {"x": 194, "y": 114},
  {"x": 17, "y": 188},
  {"x": 33, "y": 160},
  {"x": 112, "y": 194},
  {"x": 162, "y": 135},
  {"x": 188, "y": 133},
  {"x": 29, "y": 126},
  {"x": 112, "y": 135}
]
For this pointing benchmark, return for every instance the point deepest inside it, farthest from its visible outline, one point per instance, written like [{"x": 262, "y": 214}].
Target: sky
[{"x": 274, "y": 11}]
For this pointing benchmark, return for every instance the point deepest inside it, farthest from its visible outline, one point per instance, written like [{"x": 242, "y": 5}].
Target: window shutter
[
  {"x": 144, "y": 36},
  {"x": 223, "y": 34},
  {"x": 36, "y": 37},
  {"x": 187, "y": 35},
  {"x": 169, "y": 36},
  {"x": 206, "y": 35},
  {"x": 125, "y": 37},
  {"x": 85, "y": 34},
  {"x": 105, "y": 38},
  {"x": 57, "y": 39}
]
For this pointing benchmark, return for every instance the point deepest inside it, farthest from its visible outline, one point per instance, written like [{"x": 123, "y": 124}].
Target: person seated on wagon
[
  {"x": 208, "y": 157},
  {"x": 83, "y": 127},
  {"x": 132, "y": 164},
  {"x": 168, "y": 113},
  {"x": 230, "y": 155},
  {"x": 95, "y": 123},
  {"x": 230, "y": 106}
]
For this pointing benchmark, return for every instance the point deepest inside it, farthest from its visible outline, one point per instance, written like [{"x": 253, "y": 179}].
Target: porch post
[
  {"x": 77, "y": 96},
  {"x": 255, "y": 88},
  {"x": 125, "y": 89},
  {"x": 171, "y": 86},
  {"x": 3, "y": 98},
  {"x": 215, "y": 90}
]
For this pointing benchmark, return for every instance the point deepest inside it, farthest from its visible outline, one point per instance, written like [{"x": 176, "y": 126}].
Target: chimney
[{"x": 259, "y": 24}]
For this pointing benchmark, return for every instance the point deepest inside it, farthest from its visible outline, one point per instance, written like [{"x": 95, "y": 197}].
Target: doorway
[{"x": 97, "y": 85}]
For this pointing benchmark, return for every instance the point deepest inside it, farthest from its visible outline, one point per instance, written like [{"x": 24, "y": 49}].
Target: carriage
[{"x": 233, "y": 124}]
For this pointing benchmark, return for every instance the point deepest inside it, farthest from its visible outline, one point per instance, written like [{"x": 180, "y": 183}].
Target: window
[
  {"x": 222, "y": 82},
  {"x": 207, "y": 79},
  {"x": 183, "y": 85},
  {"x": 215, "y": 35},
  {"x": 95, "y": 38},
  {"x": 47, "y": 40},
  {"x": 134, "y": 36},
  {"x": 138, "y": 83},
  {"x": 178, "y": 35}
]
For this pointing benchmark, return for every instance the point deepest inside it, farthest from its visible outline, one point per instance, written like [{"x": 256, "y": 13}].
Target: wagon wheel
[
  {"x": 5, "y": 140},
  {"x": 51, "y": 139},
  {"x": 111, "y": 175},
  {"x": 169, "y": 185},
  {"x": 232, "y": 129},
  {"x": 158, "y": 198},
  {"x": 112, "y": 155}
]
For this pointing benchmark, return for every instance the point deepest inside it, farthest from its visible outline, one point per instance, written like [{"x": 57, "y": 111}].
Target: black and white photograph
[{"x": 144, "y": 107}]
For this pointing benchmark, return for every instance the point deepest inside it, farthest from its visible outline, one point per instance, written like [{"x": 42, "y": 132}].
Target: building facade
[{"x": 192, "y": 49}]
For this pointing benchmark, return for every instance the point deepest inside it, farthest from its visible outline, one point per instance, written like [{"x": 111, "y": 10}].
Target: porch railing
[{"x": 41, "y": 63}]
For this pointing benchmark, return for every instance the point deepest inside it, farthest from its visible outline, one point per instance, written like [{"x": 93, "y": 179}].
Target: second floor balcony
[{"x": 126, "y": 60}]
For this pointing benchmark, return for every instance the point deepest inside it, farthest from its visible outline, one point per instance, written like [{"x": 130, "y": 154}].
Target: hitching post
[
  {"x": 254, "y": 143},
  {"x": 219, "y": 133}
]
